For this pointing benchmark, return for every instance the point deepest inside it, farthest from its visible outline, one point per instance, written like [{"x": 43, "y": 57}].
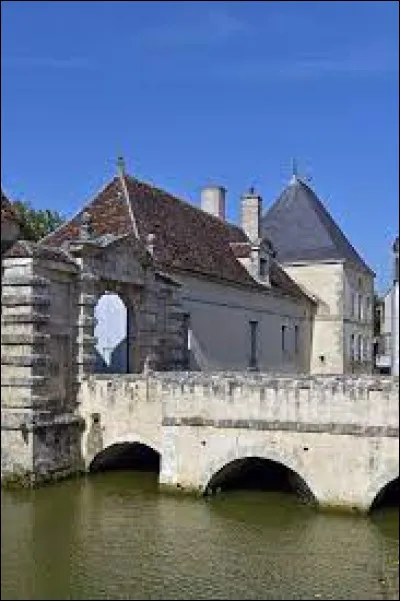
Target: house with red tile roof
[{"x": 240, "y": 308}]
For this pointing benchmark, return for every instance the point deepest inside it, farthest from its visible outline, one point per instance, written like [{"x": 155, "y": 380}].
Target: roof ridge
[
  {"x": 81, "y": 210},
  {"x": 187, "y": 203},
  {"x": 288, "y": 221},
  {"x": 127, "y": 198},
  {"x": 326, "y": 215}
]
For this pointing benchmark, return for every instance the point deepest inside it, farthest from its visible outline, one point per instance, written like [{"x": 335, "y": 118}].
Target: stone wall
[
  {"x": 325, "y": 282},
  {"x": 39, "y": 425},
  {"x": 395, "y": 329},
  {"x": 339, "y": 434},
  {"x": 220, "y": 315},
  {"x": 333, "y": 285},
  {"x": 48, "y": 344},
  {"x": 359, "y": 288},
  {"x": 333, "y": 404},
  {"x": 118, "y": 409}
]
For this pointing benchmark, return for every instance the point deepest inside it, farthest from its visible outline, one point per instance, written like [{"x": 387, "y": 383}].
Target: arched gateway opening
[
  {"x": 114, "y": 332},
  {"x": 125, "y": 456},
  {"x": 258, "y": 474},
  {"x": 388, "y": 496}
]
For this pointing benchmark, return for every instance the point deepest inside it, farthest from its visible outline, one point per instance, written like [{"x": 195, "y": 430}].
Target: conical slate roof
[{"x": 301, "y": 229}]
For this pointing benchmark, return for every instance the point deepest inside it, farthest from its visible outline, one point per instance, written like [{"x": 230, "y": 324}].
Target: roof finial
[
  {"x": 121, "y": 165},
  {"x": 294, "y": 171}
]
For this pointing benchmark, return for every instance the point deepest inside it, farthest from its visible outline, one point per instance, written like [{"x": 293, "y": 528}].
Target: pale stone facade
[
  {"x": 343, "y": 323},
  {"x": 48, "y": 346},
  {"x": 387, "y": 359},
  {"x": 315, "y": 253},
  {"x": 220, "y": 331},
  {"x": 197, "y": 294},
  {"x": 340, "y": 435}
]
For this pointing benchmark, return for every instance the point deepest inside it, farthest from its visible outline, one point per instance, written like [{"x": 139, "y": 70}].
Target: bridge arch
[
  {"x": 128, "y": 451},
  {"x": 379, "y": 485},
  {"x": 219, "y": 467}
]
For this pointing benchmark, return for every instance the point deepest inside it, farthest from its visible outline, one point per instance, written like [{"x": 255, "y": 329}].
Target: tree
[{"x": 35, "y": 224}]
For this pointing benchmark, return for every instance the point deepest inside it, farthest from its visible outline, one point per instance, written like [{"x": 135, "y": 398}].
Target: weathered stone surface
[
  {"x": 199, "y": 422},
  {"x": 339, "y": 434},
  {"x": 48, "y": 344}
]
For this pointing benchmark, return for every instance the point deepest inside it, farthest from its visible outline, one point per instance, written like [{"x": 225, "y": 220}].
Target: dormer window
[{"x": 263, "y": 268}]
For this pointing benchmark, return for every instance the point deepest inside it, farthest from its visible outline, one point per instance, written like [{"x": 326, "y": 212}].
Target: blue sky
[{"x": 198, "y": 92}]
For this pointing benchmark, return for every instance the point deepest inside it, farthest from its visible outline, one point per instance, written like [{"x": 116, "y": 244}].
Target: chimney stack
[
  {"x": 213, "y": 201},
  {"x": 251, "y": 205}
]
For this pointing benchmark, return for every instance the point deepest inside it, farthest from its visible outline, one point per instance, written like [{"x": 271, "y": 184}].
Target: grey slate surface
[{"x": 301, "y": 229}]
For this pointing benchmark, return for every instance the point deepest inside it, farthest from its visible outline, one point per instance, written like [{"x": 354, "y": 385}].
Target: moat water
[{"x": 113, "y": 536}]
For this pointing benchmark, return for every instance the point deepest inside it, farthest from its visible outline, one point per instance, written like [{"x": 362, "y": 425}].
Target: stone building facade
[
  {"x": 241, "y": 310},
  {"x": 47, "y": 342},
  {"x": 387, "y": 342},
  {"x": 198, "y": 293},
  {"x": 316, "y": 254}
]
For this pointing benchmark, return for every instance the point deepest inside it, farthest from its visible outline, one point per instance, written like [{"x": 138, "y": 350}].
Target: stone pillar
[
  {"x": 40, "y": 430},
  {"x": 85, "y": 341},
  {"x": 149, "y": 356},
  {"x": 24, "y": 365}
]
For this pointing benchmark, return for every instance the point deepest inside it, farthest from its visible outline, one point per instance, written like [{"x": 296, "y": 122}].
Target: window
[
  {"x": 296, "y": 339},
  {"x": 283, "y": 336},
  {"x": 367, "y": 349},
  {"x": 359, "y": 312},
  {"x": 353, "y": 304},
  {"x": 352, "y": 349},
  {"x": 186, "y": 341},
  {"x": 367, "y": 307},
  {"x": 359, "y": 348},
  {"x": 253, "y": 344},
  {"x": 263, "y": 267}
]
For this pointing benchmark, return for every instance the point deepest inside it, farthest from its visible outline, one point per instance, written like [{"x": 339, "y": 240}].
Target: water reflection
[{"x": 113, "y": 536}]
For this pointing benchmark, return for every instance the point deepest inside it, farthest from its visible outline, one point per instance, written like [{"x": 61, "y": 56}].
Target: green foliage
[{"x": 35, "y": 224}]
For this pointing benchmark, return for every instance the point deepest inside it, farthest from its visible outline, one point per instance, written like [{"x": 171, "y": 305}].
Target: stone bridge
[{"x": 337, "y": 435}]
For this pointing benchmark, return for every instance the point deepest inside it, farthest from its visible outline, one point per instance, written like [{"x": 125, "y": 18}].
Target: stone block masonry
[{"x": 338, "y": 434}]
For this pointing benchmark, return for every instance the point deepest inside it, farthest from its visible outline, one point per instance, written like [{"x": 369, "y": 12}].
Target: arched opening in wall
[
  {"x": 259, "y": 474},
  {"x": 388, "y": 496},
  {"x": 127, "y": 456},
  {"x": 114, "y": 332}
]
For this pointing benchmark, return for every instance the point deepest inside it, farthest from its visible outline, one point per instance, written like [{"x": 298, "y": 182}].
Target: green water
[{"x": 112, "y": 536}]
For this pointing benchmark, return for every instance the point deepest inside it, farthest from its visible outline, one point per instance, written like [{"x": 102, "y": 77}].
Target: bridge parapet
[{"x": 258, "y": 401}]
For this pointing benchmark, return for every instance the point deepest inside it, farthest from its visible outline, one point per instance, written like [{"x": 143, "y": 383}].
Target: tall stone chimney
[
  {"x": 213, "y": 201},
  {"x": 251, "y": 205}
]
